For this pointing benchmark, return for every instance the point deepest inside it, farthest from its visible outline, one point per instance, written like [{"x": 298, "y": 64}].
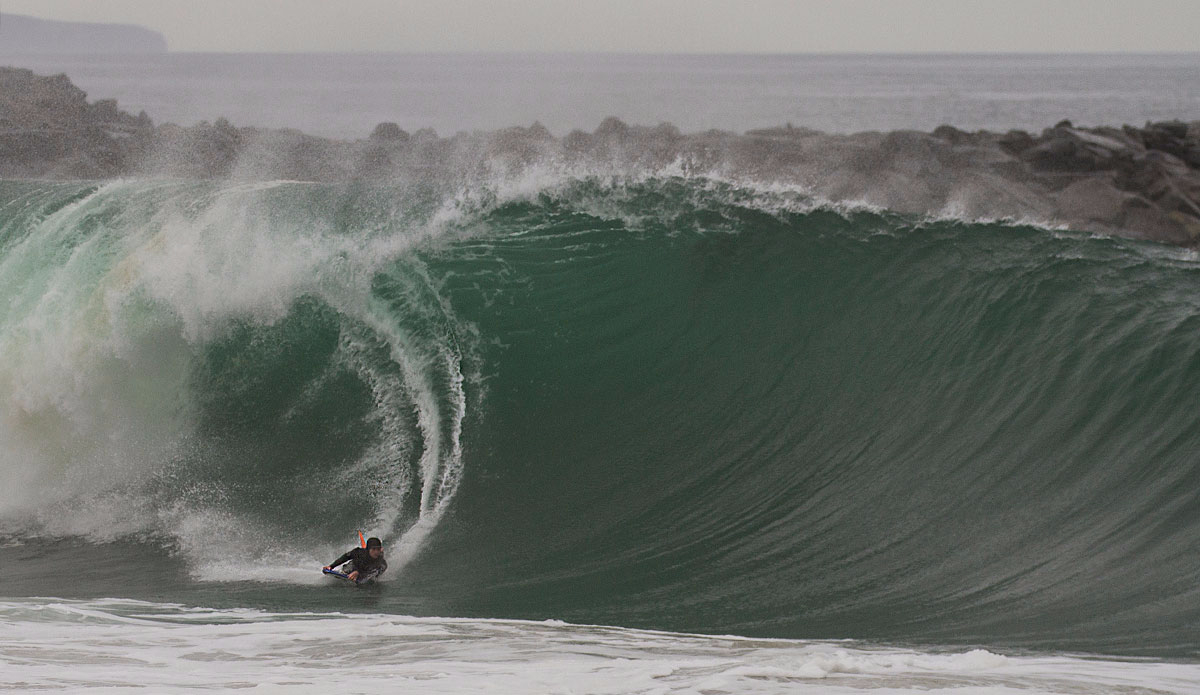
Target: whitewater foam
[
  {"x": 118, "y": 294},
  {"x": 124, "y": 645}
]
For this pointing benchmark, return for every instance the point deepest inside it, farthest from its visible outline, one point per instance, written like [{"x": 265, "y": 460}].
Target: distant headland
[
  {"x": 1140, "y": 182},
  {"x": 21, "y": 35}
]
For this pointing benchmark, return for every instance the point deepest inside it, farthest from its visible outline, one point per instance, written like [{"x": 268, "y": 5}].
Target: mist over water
[{"x": 344, "y": 96}]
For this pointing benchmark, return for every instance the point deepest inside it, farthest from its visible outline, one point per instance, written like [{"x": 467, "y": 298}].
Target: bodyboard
[
  {"x": 339, "y": 575},
  {"x": 362, "y": 579}
]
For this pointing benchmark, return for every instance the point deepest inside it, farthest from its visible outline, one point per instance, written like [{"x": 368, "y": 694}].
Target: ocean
[
  {"x": 640, "y": 431},
  {"x": 345, "y": 96}
]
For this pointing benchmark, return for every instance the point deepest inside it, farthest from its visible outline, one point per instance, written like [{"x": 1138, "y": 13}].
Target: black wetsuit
[{"x": 366, "y": 567}]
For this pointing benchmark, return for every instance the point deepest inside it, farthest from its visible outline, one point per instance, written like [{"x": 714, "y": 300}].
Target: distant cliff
[{"x": 24, "y": 35}]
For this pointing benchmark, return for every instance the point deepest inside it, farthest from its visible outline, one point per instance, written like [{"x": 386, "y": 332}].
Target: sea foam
[{"x": 126, "y": 645}]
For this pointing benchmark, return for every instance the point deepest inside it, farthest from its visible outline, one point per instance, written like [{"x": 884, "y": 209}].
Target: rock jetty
[{"x": 1140, "y": 182}]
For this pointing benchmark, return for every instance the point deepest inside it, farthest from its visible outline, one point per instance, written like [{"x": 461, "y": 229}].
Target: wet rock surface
[{"x": 1141, "y": 182}]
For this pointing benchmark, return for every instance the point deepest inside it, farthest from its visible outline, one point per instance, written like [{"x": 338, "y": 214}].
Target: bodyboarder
[{"x": 365, "y": 563}]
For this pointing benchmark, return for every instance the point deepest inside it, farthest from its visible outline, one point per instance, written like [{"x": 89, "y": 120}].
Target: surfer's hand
[
  {"x": 353, "y": 576},
  {"x": 327, "y": 567}
]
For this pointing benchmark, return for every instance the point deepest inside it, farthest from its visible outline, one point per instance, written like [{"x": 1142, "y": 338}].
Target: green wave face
[{"x": 658, "y": 402}]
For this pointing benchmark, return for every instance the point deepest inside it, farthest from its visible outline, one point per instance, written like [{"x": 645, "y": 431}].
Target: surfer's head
[{"x": 374, "y": 547}]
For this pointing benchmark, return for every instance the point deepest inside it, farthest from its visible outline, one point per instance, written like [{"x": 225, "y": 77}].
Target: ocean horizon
[{"x": 346, "y": 95}]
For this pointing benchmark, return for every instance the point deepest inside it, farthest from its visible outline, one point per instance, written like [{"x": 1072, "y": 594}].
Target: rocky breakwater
[
  {"x": 49, "y": 130},
  {"x": 1129, "y": 181},
  {"x": 1144, "y": 181}
]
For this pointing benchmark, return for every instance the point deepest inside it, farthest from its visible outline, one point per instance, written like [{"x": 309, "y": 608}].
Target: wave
[{"x": 657, "y": 401}]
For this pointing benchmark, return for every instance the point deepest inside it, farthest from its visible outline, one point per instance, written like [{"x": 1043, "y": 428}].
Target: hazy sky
[{"x": 673, "y": 26}]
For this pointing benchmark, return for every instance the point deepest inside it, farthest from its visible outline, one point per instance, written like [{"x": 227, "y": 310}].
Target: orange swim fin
[{"x": 362, "y": 541}]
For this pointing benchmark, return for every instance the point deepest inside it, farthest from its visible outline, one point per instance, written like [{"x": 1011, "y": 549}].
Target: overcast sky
[{"x": 670, "y": 26}]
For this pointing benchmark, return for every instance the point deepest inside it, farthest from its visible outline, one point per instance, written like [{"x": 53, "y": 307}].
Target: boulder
[
  {"x": 951, "y": 134},
  {"x": 1016, "y": 141},
  {"x": 1190, "y": 225},
  {"x": 1057, "y": 152},
  {"x": 1172, "y": 129},
  {"x": 388, "y": 132},
  {"x": 1097, "y": 141},
  {"x": 537, "y": 131},
  {"x": 1144, "y": 220},
  {"x": 612, "y": 127},
  {"x": 1191, "y": 155},
  {"x": 1093, "y": 198},
  {"x": 1167, "y": 136}
]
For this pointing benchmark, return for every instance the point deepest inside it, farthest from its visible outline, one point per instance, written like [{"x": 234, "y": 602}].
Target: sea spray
[{"x": 175, "y": 351}]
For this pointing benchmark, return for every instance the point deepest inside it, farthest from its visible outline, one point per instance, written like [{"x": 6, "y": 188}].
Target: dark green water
[{"x": 666, "y": 403}]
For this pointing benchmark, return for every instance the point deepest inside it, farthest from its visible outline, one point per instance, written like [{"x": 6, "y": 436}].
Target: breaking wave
[{"x": 662, "y": 401}]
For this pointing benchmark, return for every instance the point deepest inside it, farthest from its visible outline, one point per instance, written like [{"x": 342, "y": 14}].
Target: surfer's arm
[{"x": 338, "y": 562}]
